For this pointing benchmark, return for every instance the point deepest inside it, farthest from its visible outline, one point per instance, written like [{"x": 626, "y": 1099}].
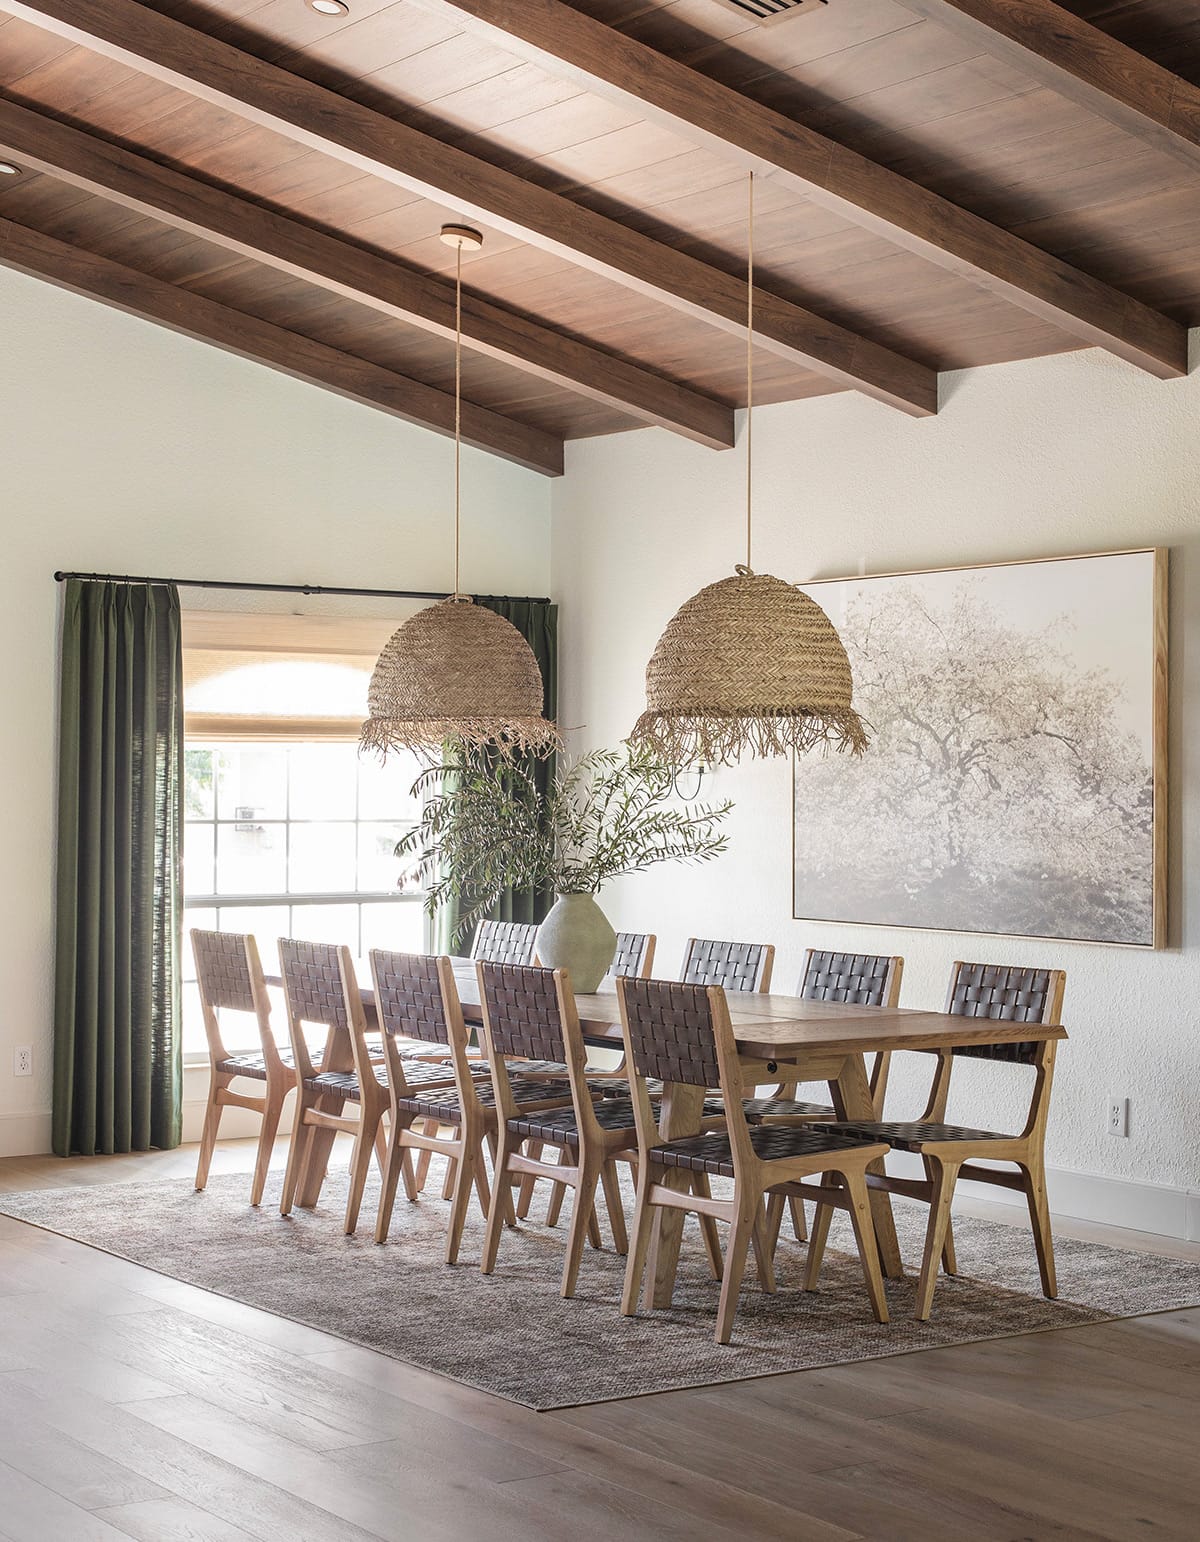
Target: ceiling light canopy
[
  {"x": 329, "y": 7},
  {"x": 457, "y": 672},
  {"x": 7, "y": 169},
  {"x": 750, "y": 665}
]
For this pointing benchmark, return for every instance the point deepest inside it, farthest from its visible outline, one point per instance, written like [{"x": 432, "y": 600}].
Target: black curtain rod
[{"x": 221, "y": 583}]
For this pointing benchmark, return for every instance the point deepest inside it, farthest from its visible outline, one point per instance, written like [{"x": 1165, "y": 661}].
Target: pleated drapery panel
[{"x": 117, "y": 1030}]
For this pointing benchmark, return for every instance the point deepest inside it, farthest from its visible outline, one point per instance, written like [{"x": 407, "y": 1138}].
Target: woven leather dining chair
[
  {"x": 681, "y": 1035},
  {"x": 319, "y": 987},
  {"x": 504, "y": 942},
  {"x": 634, "y": 956},
  {"x": 1002, "y": 993},
  {"x": 416, "y": 997},
  {"x": 734, "y": 966},
  {"x": 529, "y": 1014},
  {"x": 230, "y": 979}
]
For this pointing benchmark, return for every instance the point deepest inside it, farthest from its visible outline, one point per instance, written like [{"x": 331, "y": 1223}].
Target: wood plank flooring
[{"x": 132, "y": 1405}]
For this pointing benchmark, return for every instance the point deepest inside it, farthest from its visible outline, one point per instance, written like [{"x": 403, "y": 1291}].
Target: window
[{"x": 288, "y": 831}]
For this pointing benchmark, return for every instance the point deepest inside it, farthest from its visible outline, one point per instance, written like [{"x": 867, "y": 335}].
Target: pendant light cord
[
  {"x": 749, "y": 368},
  {"x": 457, "y": 405}
]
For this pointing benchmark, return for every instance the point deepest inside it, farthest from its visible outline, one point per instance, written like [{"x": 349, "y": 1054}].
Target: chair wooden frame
[
  {"x": 598, "y": 1148},
  {"x": 229, "y": 976},
  {"x": 659, "y": 1184},
  {"x": 642, "y": 963},
  {"x": 320, "y": 1103},
  {"x": 949, "y": 1158},
  {"x": 429, "y": 988}
]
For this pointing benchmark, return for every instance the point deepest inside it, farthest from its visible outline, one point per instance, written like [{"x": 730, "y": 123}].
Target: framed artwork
[{"x": 1016, "y": 778}]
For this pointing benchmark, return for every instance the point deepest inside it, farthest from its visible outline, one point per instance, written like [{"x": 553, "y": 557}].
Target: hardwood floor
[{"x": 132, "y": 1405}]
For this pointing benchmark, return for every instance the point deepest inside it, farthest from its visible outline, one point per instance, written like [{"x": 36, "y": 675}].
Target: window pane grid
[{"x": 235, "y": 844}]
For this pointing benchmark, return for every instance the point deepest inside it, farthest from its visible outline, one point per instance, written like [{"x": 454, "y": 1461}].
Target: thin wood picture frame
[{"x": 1144, "y": 908}]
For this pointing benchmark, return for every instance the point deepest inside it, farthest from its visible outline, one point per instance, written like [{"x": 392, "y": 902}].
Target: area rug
[{"x": 511, "y": 1334}]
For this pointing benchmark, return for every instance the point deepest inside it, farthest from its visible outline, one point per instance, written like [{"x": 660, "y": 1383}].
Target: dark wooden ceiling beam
[
  {"x": 205, "y": 67},
  {"x": 598, "y": 58},
  {"x": 1081, "y": 62},
  {"x": 87, "y": 273},
  {"x": 344, "y": 268}
]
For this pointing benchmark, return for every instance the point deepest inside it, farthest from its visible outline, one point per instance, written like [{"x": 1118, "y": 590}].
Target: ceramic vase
[{"x": 576, "y": 936}]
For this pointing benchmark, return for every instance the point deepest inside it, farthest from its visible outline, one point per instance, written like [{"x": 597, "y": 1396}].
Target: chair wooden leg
[
  {"x": 740, "y": 1234},
  {"x": 396, "y": 1164},
  {"x": 616, "y": 1210},
  {"x": 554, "y": 1208},
  {"x": 297, "y": 1158},
  {"x": 583, "y": 1224},
  {"x": 643, "y": 1225},
  {"x": 817, "y": 1238},
  {"x": 799, "y": 1224},
  {"x": 448, "y": 1182},
  {"x": 949, "y": 1261},
  {"x": 708, "y": 1228},
  {"x": 479, "y": 1168},
  {"x": 426, "y": 1156},
  {"x": 208, "y": 1139},
  {"x": 773, "y": 1221},
  {"x": 864, "y": 1234},
  {"x": 764, "y": 1261},
  {"x": 360, "y": 1166},
  {"x": 944, "y": 1176},
  {"x": 500, "y": 1209},
  {"x": 528, "y": 1183},
  {"x": 464, "y": 1171},
  {"x": 266, "y": 1141},
  {"x": 1039, "y": 1215}
]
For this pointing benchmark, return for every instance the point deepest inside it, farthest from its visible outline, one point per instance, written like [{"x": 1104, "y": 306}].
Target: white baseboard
[
  {"x": 1157, "y": 1208},
  {"x": 25, "y": 1134}
]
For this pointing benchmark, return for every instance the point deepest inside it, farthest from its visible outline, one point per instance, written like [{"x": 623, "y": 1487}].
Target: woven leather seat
[
  {"x": 447, "y": 1107},
  {"x": 913, "y": 1134},
  {"x": 558, "y": 1125},
  {"x": 757, "y": 1109},
  {"x": 714, "y": 1154}
]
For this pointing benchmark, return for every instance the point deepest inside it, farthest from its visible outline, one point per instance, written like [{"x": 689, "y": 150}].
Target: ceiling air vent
[{"x": 768, "y": 12}]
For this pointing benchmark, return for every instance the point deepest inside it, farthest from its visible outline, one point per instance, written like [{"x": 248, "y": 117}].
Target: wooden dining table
[{"x": 806, "y": 1041}]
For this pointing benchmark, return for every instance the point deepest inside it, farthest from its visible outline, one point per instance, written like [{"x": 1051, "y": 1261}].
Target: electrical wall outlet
[
  {"x": 23, "y": 1060},
  {"x": 1118, "y": 1116}
]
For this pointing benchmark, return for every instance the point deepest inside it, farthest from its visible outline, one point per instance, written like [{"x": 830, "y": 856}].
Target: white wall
[
  {"x": 125, "y": 448},
  {"x": 1071, "y": 454}
]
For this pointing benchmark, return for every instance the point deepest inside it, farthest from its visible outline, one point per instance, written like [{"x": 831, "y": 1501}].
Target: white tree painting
[{"x": 1010, "y": 781}]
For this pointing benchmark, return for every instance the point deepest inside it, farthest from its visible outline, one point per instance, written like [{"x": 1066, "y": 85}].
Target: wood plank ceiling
[{"x": 941, "y": 184}]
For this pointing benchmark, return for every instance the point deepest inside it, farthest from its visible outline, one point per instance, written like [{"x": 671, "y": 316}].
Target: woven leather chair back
[
  {"x": 408, "y": 996},
  {"x": 504, "y": 942},
  {"x": 312, "y": 983},
  {"x": 522, "y": 1008},
  {"x": 629, "y": 959},
  {"x": 734, "y": 966},
  {"x": 860, "y": 978},
  {"x": 1006, "y": 994},
  {"x": 222, "y": 971},
  {"x": 671, "y": 1032}
]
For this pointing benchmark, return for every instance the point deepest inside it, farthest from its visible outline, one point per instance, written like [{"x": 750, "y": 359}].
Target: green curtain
[
  {"x": 118, "y": 1074},
  {"x": 537, "y": 622}
]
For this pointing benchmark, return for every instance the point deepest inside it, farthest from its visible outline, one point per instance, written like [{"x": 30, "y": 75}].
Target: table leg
[
  {"x": 316, "y": 1161},
  {"x": 681, "y": 1110},
  {"x": 852, "y": 1099}
]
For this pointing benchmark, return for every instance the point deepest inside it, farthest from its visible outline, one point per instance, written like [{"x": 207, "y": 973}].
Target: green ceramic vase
[{"x": 576, "y": 936}]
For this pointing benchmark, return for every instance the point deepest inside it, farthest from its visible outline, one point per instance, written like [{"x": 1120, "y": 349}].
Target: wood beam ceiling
[
  {"x": 342, "y": 267},
  {"x": 598, "y": 58},
  {"x": 203, "y": 66},
  {"x": 1081, "y": 62},
  {"x": 87, "y": 273}
]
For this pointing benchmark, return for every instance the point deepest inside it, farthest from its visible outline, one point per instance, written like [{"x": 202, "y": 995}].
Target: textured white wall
[
  {"x": 1072, "y": 454},
  {"x": 125, "y": 448}
]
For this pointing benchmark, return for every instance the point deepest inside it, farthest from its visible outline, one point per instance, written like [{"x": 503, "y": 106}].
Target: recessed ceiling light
[
  {"x": 330, "y": 7},
  {"x": 7, "y": 169}
]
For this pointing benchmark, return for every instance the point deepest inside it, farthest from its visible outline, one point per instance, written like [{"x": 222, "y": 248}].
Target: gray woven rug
[{"x": 511, "y": 1334}]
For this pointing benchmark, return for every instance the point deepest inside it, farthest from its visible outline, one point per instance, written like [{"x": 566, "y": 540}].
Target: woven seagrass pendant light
[
  {"x": 456, "y": 672},
  {"x": 750, "y": 665}
]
